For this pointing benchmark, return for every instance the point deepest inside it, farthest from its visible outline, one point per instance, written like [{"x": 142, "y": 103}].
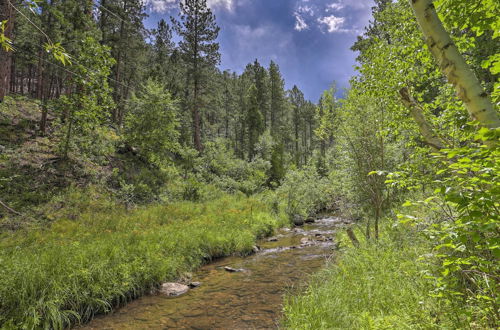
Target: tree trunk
[
  {"x": 39, "y": 75},
  {"x": 352, "y": 237},
  {"x": 453, "y": 65},
  {"x": 30, "y": 76},
  {"x": 368, "y": 231},
  {"x": 6, "y": 14},
  {"x": 416, "y": 111},
  {"x": 12, "y": 84},
  {"x": 195, "y": 112},
  {"x": 196, "y": 120}
]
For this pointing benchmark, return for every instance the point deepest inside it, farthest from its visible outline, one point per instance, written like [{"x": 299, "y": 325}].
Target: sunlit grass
[
  {"x": 78, "y": 268},
  {"x": 376, "y": 286}
]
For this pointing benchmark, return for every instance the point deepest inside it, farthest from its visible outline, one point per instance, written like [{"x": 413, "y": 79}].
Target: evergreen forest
[{"x": 134, "y": 168}]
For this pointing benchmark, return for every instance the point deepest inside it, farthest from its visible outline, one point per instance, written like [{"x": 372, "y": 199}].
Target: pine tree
[
  {"x": 200, "y": 51},
  {"x": 255, "y": 120},
  {"x": 163, "y": 48},
  {"x": 297, "y": 100},
  {"x": 124, "y": 32},
  {"x": 277, "y": 98},
  {"x": 261, "y": 83}
]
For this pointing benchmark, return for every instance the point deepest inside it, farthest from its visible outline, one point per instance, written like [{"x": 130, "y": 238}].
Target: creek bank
[
  {"x": 104, "y": 260},
  {"x": 236, "y": 300}
]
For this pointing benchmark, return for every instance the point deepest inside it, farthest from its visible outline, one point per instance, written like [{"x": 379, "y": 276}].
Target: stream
[{"x": 250, "y": 299}]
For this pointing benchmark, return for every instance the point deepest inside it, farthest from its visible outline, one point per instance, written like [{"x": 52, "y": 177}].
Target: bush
[
  {"x": 305, "y": 192},
  {"x": 220, "y": 167},
  {"x": 151, "y": 124}
]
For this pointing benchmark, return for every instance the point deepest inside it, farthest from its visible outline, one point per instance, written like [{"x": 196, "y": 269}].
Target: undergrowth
[
  {"x": 379, "y": 285},
  {"x": 74, "y": 269}
]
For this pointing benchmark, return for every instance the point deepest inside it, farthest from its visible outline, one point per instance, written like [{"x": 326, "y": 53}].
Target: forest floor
[{"x": 74, "y": 269}]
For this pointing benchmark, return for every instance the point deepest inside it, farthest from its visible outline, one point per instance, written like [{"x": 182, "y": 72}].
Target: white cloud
[
  {"x": 245, "y": 32},
  {"x": 300, "y": 23},
  {"x": 336, "y": 6},
  {"x": 259, "y": 42},
  {"x": 333, "y": 23},
  {"x": 226, "y": 4},
  {"x": 306, "y": 10},
  {"x": 162, "y": 6}
]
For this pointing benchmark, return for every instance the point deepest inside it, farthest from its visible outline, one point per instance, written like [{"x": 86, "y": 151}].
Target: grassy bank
[
  {"x": 77, "y": 268},
  {"x": 376, "y": 286}
]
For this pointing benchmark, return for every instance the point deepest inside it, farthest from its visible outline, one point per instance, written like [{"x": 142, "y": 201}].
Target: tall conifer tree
[{"x": 200, "y": 51}]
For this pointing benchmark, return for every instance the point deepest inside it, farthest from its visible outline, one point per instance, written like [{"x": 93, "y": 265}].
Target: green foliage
[
  {"x": 151, "y": 124},
  {"x": 304, "y": 192},
  {"x": 58, "y": 52},
  {"x": 377, "y": 140},
  {"x": 5, "y": 42},
  {"x": 326, "y": 113},
  {"x": 89, "y": 106},
  {"x": 220, "y": 167},
  {"x": 464, "y": 235},
  {"x": 76, "y": 269},
  {"x": 255, "y": 120},
  {"x": 277, "y": 171}
]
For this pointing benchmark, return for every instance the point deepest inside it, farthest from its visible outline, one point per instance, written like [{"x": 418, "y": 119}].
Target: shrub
[{"x": 305, "y": 192}]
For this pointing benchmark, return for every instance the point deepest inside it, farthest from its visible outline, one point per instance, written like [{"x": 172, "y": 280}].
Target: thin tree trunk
[
  {"x": 6, "y": 14},
  {"x": 352, "y": 237},
  {"x": 416, "y": 111},
  {"x": 103, "y": 22},
  {"x": 5, "y": 206},
  {"x": 377, "y": 218},
  {"x": 368, "y": 231},
  {"x": 453, "y": 65},
  {"x": 196, "y": 113},
  {"x": 30, "y": 76},
  {"x": 39, "y": 76},
  {"x": 13, "y": 79}
]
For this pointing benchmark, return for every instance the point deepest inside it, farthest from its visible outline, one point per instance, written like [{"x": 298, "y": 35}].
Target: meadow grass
[
  {"x": 376, "y": 286},
  {"x": 75, "y": 269}
]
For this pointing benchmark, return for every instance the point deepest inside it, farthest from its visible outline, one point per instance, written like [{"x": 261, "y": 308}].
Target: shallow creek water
[{"x": 251, "y": 299}]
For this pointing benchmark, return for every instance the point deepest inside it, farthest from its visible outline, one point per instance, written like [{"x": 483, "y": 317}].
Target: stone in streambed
[
  {"x": 233, "y": 270},
  {"x": 173, "y": 289},
  {"x": 255, "y": 248},
  {"x": 298, "y": 220},
  {"x": 310, "y": 219},
  {"x": 193, "y": 285},
  {"x": 306, "y": 241}
]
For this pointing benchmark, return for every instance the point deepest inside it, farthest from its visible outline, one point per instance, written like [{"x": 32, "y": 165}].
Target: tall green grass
[
  {"x": 77, "y": 268},
  {"x": 376, "y": 286}
]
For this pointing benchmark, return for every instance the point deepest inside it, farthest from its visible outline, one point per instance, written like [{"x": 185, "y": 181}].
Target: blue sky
[{"x": 309, "y": 39}]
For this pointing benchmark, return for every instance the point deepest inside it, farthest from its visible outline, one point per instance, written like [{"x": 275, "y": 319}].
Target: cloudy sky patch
[{"x": 309, "y": 39}]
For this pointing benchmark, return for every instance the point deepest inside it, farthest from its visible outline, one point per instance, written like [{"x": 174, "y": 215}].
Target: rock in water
[
  {"x": 310, "y": 219},
  {"x": 298, "y": 220},
  {"x": 173, "y": 289},
  {"x": 255, "y": 248},
  {"x": 306, "y": 241},
  {"x": 233, "y": 270},
  {"x": 193, "y": 285}
]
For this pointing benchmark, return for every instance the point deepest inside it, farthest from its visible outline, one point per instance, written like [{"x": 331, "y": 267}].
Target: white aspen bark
[
  {"x": 416, "y": 111},
  {"x": 453, "y": 65}
]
